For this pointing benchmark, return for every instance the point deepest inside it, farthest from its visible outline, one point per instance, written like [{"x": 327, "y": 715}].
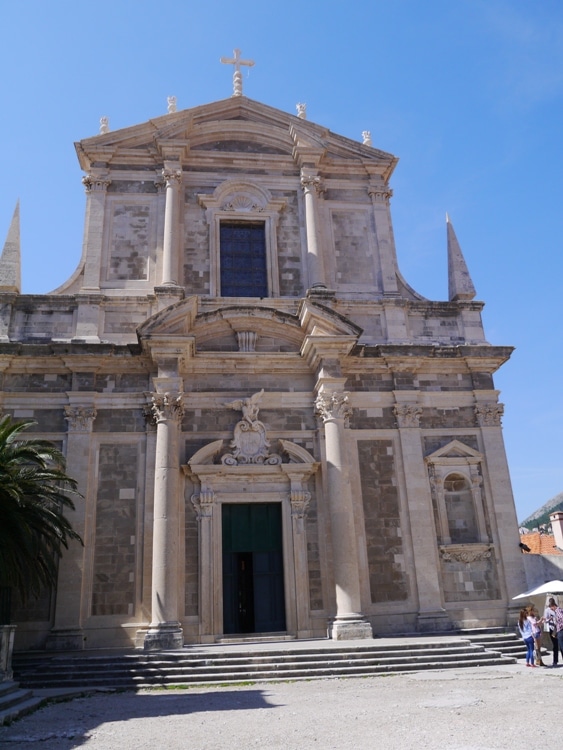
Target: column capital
[
  {"x": 408, "y": 415},
  {"x": 312, "y": 183},
  {"x": 95, "y": 183},
  {"x": 300, "y": 500},
  {"x": 167, "y": 406},
  {"x": 489, "y": 415},
  {"x": 203, "y": 503},
  {"x": 172, "y": 176},
  {"x": 380, "y": 193},
  {"x": 331, "y": 405},
  {"x": 80, "y": 418}
]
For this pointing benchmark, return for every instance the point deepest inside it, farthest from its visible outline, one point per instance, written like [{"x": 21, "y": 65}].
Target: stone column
[
  {"x": 431, "y": 612},
  {"x": 96, "y": 184},
  {"x": 332, "y": 406},
  {"x": 173, "y": 179},
  {"x": 502, "y": 501},
  {"x": 380, "y": 195},
  {"x": 165, "y": 631},
  {"x": 312, "y": 187},
  {"x": 300, "y": 500},
  {"x": 204, "y": 503},
  {"x": 74, "y": 581}
]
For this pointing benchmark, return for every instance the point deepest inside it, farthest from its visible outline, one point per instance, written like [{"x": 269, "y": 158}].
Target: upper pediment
[
  {"x": 247, "y": 328},
  {"x": 234, "y": 125}
]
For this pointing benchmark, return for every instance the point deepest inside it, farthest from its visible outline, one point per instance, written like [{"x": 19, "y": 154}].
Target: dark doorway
[{"x": 253, "y": 591}]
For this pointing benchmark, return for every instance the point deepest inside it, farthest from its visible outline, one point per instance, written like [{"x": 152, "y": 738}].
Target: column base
[
  {"x": 434, "y": 622},
  {"x": 320, "y": 292},
  {"x": 72, "y": 639},
  {"x": 350, "y": 629},
  {"x": 164, "y": 637}
]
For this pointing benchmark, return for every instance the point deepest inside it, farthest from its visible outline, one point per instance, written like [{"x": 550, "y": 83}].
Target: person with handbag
[{"x": 553, "y": 618}]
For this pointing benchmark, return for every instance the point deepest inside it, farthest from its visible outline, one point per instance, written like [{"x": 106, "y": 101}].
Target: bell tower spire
[
  {"x": 10, "y": 260},
  {"x": 460, "y": 285}
]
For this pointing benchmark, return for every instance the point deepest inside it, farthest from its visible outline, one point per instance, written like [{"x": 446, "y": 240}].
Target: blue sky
[{"x": 467, "y": 93}]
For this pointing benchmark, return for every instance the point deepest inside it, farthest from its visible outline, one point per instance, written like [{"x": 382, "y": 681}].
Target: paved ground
[{"x": 460, "y": 709}]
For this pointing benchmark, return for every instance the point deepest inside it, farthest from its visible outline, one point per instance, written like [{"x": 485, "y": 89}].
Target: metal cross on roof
[{"x": 237, "y": 75}]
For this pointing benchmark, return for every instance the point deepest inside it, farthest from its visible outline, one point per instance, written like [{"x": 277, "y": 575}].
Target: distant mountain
[{"x": 541, "y": 516}]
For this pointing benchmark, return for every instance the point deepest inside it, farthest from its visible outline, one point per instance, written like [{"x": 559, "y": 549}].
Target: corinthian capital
[
  {"x": 203, "y": 503},
  {"x": 488, "y": 415},
  {"x": 300, "y": 500},
  {"x": 408, "y": 415},
  {"x": 333, "y": 405},
  {"x": 167, "y": 406},
  {"x": 94, "y": 184},
  {"x": 79, "y": 418},
  {"x": 172, "y": 176},
  {"x": 380, "y": 194},
  {"x": 312, "y": 184}
]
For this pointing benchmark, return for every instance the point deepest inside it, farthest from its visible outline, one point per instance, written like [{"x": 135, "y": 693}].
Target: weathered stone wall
[
  {"x": 119, "y": 420},
  {"x": 289, "y": 247},
  {"x": 465, "y": 582},
  {"x": 191, "y": 564},
  {"x": 353, "y": 254},
  {"x": 129, "y": 242},
  {"x": 313, "y": 553},
  {"x": 196, "y": 260},
  {"x": 386, "y": 565},
  {"x": 113, "y": 589}
]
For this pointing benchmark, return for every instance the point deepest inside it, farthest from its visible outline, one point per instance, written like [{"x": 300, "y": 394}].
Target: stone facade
[{"x": 364, "y": 413}]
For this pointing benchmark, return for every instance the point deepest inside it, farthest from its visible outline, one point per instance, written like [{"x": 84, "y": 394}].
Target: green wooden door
[{"x": 253, "y": 591}]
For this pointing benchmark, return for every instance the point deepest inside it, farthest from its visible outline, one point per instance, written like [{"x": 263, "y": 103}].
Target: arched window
[{"x": 460, "y": 510}]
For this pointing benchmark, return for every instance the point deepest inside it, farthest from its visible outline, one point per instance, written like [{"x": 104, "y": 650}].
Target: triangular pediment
[
  {"x": 237, "y": 124},
  {"x": 454, "y": 449}
]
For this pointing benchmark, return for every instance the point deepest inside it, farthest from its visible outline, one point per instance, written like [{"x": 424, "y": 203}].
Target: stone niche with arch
[{"x": 463, "y": 532}]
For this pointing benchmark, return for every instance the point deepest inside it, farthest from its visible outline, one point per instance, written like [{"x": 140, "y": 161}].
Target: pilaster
[
  {"x": 489, "y": 415},
  {"x": 431, "y": 612},
  {"x": 73, "y": 583},
  {"x": 380, "y": 194}
]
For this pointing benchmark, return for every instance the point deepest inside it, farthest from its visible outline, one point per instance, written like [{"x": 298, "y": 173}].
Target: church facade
[{"x": 273, "y": 433}]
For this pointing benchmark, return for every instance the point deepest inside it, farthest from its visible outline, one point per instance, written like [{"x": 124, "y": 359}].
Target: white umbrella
[{"x": 551, "y": 587}]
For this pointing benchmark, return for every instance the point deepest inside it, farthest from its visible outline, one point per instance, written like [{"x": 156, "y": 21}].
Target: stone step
[
  {"x": 15, "y": 702},
  {"x": 138, "y": 669}
]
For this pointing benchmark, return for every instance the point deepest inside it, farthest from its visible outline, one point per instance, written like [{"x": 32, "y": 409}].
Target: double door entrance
[{"x": 253, "y": 585}]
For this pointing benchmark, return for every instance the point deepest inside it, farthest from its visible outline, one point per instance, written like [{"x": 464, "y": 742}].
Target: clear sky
[{"x": 467, "y": 93}]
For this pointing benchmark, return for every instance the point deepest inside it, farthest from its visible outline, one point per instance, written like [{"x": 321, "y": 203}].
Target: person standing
[
  {"x": 554, "y": 618},
  {"x": 525, "y": 627}
]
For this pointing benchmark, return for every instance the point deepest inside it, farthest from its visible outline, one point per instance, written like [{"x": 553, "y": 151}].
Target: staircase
[
  {"x": 236, "y": 664},
  {"x": 15, "y": 702}
]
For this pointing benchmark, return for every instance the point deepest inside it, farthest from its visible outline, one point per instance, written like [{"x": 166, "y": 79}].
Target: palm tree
[{"x": 34, "y": 492}]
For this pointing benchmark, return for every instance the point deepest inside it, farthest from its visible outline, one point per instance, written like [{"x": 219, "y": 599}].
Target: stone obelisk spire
[
  {"x": 10, "y": 260},
  {"x": 460, "y": 285}
]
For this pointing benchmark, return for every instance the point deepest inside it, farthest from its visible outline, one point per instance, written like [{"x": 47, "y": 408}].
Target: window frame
[{"x": 242, "y": 201}]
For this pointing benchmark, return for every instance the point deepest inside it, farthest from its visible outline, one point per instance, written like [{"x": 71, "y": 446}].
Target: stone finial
[
  {"x": 460, "y": 285},
  {"x": 10, "y": 260},
  {"x": 104, "y": 125},
  {"x": 172, "y": 102},
  {"x": 366, "y": 137},
  {"x": 301, "y": 110},
  {"x": 237, "y": 75}
]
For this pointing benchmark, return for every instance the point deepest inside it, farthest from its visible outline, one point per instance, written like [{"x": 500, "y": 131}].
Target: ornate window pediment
[{"x": 238, "y": 200}]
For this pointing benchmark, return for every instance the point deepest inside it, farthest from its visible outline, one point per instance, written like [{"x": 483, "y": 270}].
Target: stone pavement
[{"x": 459, "y": 709}]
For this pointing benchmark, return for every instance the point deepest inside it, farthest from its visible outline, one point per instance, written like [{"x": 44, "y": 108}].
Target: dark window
[{"x": 243, "y": 260}]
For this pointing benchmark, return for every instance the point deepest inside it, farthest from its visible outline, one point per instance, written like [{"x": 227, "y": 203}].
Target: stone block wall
[
  {"x": 380, "y": 499},
  {"x": 113, "y": 589}
]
